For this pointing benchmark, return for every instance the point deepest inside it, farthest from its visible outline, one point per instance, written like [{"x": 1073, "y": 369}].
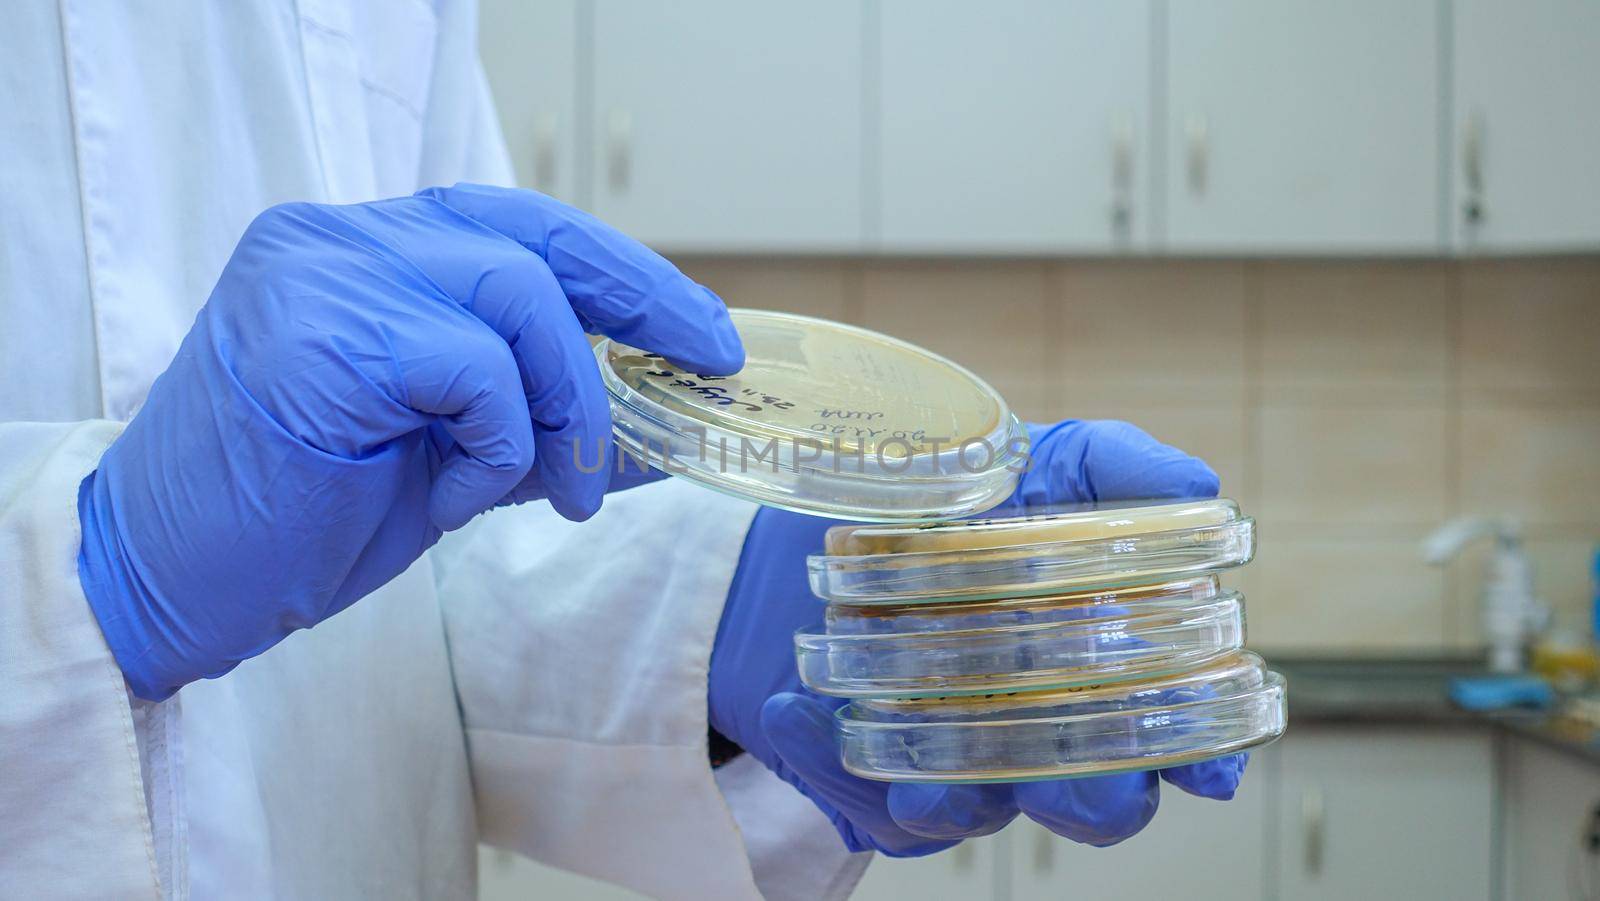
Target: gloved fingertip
[
  {"x": 446, "y": 513},
  {"x": 918, "y": 807},
  {"x": 465, "y": 486},
  {"x": 951, "y": 811},
  {"x": 1096, "y": 810},
  {"x": 575, "y": 496},
  {"x": 1172, "y": 473},
  {"x": 794, "y": 720},
  {"x": 921, "y": 849},
  {"x": 451, "y": 505},
  {"x": 1215, "y": 779},
  {"x": 1203, "y": 481},
  {"x": 715, "y": 348},
  {"x": 575, "y": 511},
  {"x": 726, "y": 348}
]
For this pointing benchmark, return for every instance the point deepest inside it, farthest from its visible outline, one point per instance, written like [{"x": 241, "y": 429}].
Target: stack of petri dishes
[{"x": 1058, "y": 643}]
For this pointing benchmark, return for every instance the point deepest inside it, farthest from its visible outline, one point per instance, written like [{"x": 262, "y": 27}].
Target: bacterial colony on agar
[{"x": 1055, "y": 643}]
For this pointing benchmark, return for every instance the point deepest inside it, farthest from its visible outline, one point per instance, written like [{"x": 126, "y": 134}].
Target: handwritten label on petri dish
[{"x": 813, "y": 380}]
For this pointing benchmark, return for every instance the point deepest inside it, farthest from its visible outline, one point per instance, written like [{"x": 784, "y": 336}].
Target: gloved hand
[
  {"x": 362, "y": 379},
  {"x": 756, "y": 698}
]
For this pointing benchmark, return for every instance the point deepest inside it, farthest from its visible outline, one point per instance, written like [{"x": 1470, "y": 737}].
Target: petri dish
[
  {"x": 1008, "y": 645},
  {"x": 928, "y": 616},
  {"x": 1039, "y": 552},
  {"x": 1231, "y": 705},
  {"x": 825, "y": 418}
]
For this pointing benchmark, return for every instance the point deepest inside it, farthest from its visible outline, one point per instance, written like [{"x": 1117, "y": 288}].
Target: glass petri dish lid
[
  {"x": 1039, "y": 552},
  {"x": 1069, "y": 643},
  {"x": 1231, "y": 705},
  {"x": 825, "y": 418}
]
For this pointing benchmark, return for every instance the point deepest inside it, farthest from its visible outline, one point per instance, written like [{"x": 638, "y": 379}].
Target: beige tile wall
[{"x": 1352, "y": 406}]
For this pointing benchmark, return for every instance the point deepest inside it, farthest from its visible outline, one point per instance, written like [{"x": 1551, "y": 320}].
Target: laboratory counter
[{"x": 1415, "y": 691}]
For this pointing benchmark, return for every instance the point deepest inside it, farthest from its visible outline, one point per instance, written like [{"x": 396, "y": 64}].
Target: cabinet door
[
  {"x": 530, "y": 54},
  {"x": 1386, "y": 814},
  {"x": 722, "y": 125},
  {"x": 1196, "y": 849},
  {"x": 1550, "y": 804},
  {"x": 1526, "y": 125},
  {"x": 1014, "y": 126},
  {"x": 1303, "y": 126},
  {"x": 963, "y": 873}
]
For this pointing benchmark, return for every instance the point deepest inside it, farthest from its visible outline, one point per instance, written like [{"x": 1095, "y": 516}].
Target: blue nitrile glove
[
  {"x": 361, "y": 379},
  {"x": 756, "y": 698}
]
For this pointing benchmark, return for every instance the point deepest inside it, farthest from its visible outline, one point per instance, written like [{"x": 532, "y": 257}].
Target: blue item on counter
[
  {"x": 1595, "y": 584},
  {"x": 1501, "y": 692}
]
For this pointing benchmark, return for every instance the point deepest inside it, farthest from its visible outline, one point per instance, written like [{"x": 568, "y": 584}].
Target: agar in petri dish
[
  {"x": 1145, "y": 634},
  {"x": 1072, "y": 522},
  {"x": 824, "y": 418},
  {"x": 1222, "y": 708},
  {"x": 937, "y": 616},
  {"x": 1039, "y": 552}
]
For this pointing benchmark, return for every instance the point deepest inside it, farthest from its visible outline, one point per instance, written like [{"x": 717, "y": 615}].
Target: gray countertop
[{"x": 1413, "y": 691}]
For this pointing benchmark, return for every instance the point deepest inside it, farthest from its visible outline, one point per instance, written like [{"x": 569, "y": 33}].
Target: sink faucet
[{"x": 1512, "y": 614}]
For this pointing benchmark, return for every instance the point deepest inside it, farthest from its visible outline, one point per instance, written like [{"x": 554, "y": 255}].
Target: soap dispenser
[{"x": 1512, "y": 614}]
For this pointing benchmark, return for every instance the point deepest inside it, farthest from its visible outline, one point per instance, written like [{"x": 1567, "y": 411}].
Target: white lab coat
[{"x": 535, "y": 684}]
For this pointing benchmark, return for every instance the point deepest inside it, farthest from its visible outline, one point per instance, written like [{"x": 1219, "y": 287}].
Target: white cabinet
[
  {"x": 1550, "y": 808},
  {"x": 1326, "y": 813},
  {"x": 724, "y": 125},
  {"x": 1013, "y": 126},
  {"x": 1302, "y": 126},
  {"x": 1385, "y": 814},
  {"x": 967, "y": 872},
  {"x": 1526, "y": 122},
  {"x": 530, "y": 53},
  {"x": 1061, "y": 126},
  {"x": 1195, "y": 849}
]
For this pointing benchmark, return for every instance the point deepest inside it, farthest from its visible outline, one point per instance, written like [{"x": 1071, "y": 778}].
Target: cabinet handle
[
  {"x": 1199, "y": 135},
  {"x": 1313, "y": 820},
  {"x": 962, "y": 855},
  {"x": 544, "y": 152},
  {"x": 619, "y": 149},
  {"x": 1472, "y": 167},
  {"x": 1044, "y": 851},
  {"x": 1121, "y": 175}
]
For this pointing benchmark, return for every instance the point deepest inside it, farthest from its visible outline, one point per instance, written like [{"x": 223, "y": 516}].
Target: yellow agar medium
[
  {"x": 1199, "y": 589},
  {"x": 812, "y": 380},
  {"x": 1082, "y": 524}
]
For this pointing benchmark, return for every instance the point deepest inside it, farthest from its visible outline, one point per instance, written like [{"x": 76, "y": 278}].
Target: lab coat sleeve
[
  {"x": 75, "y": 822},
  {"x": 462, "y": 140},
  {"x": 581, "y": 653}
]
